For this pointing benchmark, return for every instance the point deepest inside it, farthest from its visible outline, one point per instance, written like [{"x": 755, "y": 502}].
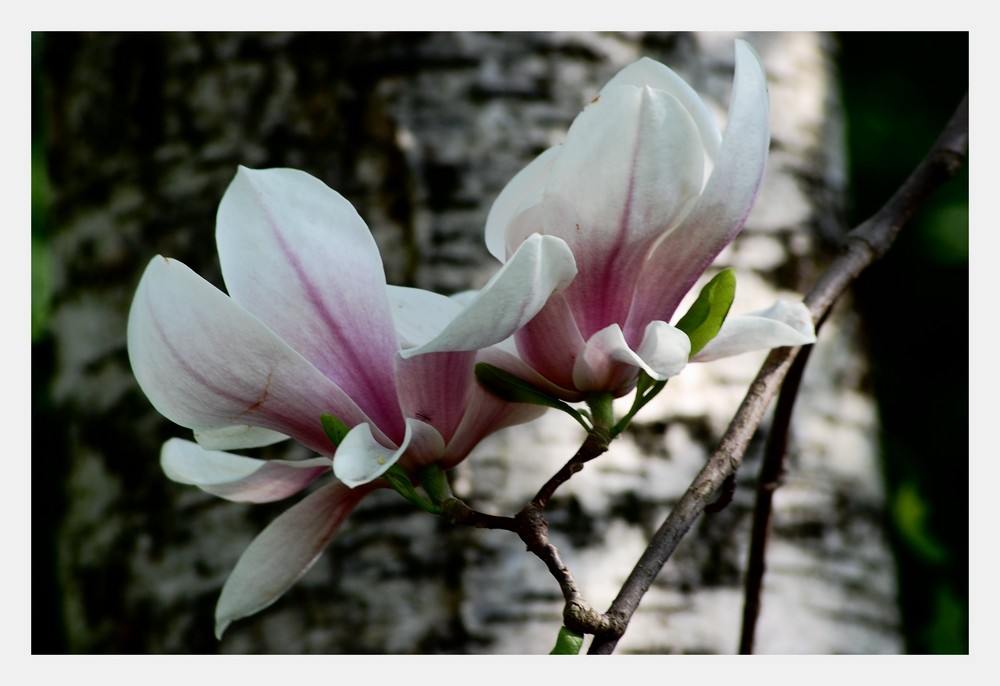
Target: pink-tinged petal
[
  {"x": 361, "y": 459},
  {"x": 631, "y": 168},
  {"x": 647, "y": 72},
  {"x": 783, "y": 324},
  {"x": 296, "y": 255},
  {"x": 206, "y": 363},
  {"x": 607, "y": 363},
  {"x": 505, "y": 356},
  {"x": 723, "y": 207},
  {"x": 238, "y": 478},
  {"x": 435, "y": 387},
  {"x": 541, "y": 266},
  {"x": 664, "y": 350},
  {"x": 237, "y": 437},
  {"x": 283, "y": 552},
  {"x": 484, "y": 414},
  {"x": 551, "y": 342},
  {"x": 420, "y": 315},
  {"x": 521, "y": 192}
]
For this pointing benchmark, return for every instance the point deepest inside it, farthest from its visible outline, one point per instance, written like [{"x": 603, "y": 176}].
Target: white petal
[
  {"x": 541, "y": 266},
  {"x": 237, "y": 437},
  {"x": 238, "y": 478},
  {"x": 283, "y": 552},
  {"x": 783, "y": 324},
  {"x": 599, "y": 366},
  {"x": 421, "y": 315},
  {"x": 521, "y": 192},
  {"x": 648, "y": 72},
  {"x": 664, "y": 349},
  {"x": 720, "y": 212},
  {"x": 361, "y": 459},
  {"x": 631, "y": 169},
  {"x": 663, "y": 353}
]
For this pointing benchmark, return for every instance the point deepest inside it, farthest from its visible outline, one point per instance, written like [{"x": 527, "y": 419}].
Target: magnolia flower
[
  {"x": 309, "y": 327},
  {"x": 645, "y": 192}
]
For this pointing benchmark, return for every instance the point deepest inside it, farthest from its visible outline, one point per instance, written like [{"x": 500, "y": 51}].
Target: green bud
[{"x": 703, "y": 321}]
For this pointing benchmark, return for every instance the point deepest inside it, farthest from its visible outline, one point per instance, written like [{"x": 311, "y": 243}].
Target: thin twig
[
  {"x": 532, "y": 528},
  {"x": 772, "y": 470},
  {"x": 863, "y": 246}
]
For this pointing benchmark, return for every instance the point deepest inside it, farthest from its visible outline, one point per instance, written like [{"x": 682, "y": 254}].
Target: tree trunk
[{"x": 420, "y": 132}]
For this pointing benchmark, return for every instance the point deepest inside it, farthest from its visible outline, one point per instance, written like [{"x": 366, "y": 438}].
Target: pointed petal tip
[{"x": 220, "y": 627}]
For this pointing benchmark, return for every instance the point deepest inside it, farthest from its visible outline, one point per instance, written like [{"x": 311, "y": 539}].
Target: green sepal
[
  {"x": 435, "y": 483},
  {"x": 646, "y": 388},
  {"x": 512, "y": 389},
  {"x": 334, "y": 429},
  {"x": 398, "y": 479},
  {"x": 703, "y": 321},
  {"x": 567, "y": 643}
]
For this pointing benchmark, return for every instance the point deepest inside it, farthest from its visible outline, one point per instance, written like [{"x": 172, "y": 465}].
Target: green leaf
[
  {"x": 703, "y": 321},
  {"x": 567, "y": 643},
  {"x": 512, "y": 389},
  {"x": 334, "y": 429}
]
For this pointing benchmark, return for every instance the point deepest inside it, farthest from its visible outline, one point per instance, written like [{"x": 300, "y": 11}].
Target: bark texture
[{"x": 420, "y": 132}]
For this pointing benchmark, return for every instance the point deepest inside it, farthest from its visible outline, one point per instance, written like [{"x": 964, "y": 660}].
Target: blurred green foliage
[
  {"x": 41, "y": 275},
  {"x": 899, "y": 91}
]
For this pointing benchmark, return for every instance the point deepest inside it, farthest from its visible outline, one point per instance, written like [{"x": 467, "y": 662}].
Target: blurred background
[{"x": 898, "y": 90}]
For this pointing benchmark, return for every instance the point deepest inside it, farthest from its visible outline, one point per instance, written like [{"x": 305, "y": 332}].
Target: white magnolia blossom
[
  {"x": 628, "y": 192},
  {"x": 310, "y": 327}
]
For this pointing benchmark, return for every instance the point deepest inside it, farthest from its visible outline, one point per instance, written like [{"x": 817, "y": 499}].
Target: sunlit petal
[
  {"x": 630, "y": 170},
  {"x": 783, "y": 324},
  {"x": 724, "y": 205},
  {"x": 664, "y": 350},
  {"x": 648, "y": 72}
]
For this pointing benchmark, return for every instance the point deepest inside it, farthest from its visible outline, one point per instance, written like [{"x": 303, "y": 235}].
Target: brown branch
[
  {"x": 532, "y": 528},
  {"x": 863, "y": 246},
  {"x": 595, "y": 444}
]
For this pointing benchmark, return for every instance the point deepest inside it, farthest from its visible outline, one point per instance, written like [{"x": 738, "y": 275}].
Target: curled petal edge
[
  {"x": 663, "y": 353},
  {"x": 361, "y": 459}
]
